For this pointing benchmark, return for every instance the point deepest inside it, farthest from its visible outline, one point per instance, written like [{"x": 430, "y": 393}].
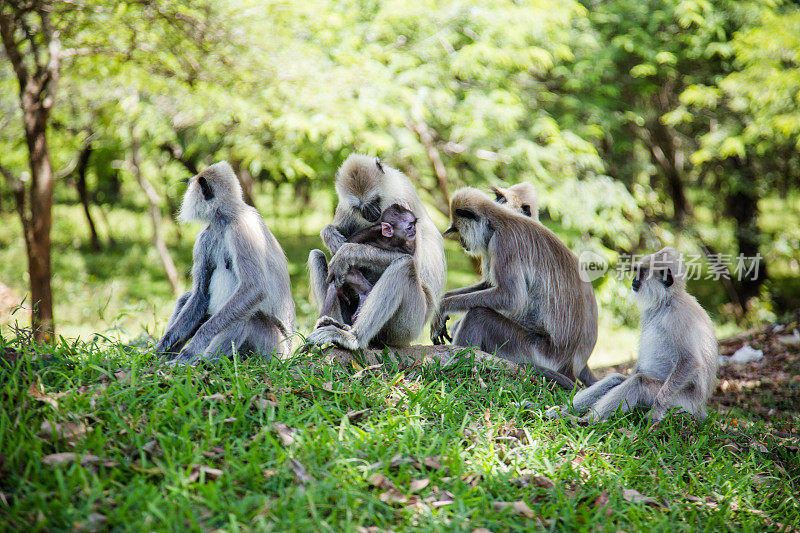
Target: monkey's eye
[
  {"x": 466, "y": 213},
  {"x": 499, "y": 197},
  {"x": 526, "y": 209}
]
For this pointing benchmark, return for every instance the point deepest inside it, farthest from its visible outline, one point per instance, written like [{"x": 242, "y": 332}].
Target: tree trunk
[
  {"x": 743, "y": 207},
  {"x": 665, "y": 155},
  {"x": 38, "y": 82},
  {"x": 428, "y": 140},
  {"x": 155, "y": 215},
  {"x": 83, "y": 193}
]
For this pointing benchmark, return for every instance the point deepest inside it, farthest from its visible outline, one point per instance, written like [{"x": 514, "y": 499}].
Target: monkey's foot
[
  {"x": 555, "y": 412},
  {"x": 333, "y": 335},
  {"x": 185, "y": 358},
  {"x": 329, "y": 321}
]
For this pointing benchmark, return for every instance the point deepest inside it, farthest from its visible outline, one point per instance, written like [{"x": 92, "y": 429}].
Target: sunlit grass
[{"x": 204, "y": 449}]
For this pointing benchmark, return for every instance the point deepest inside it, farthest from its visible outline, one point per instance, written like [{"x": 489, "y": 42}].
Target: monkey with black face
[
  {"x": 532, "y": 307},
  {"x": 408, "y": 286},
  {"x": 520, "y": 197},
  {"x": 241, "y": 298},
  {"x": 677, "y": 363},
  {"x": 395, "y": 232}
]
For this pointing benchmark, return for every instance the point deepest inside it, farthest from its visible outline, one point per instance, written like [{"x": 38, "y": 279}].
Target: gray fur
[
  {"x": 241, "y": 297},
  {"x": 531, "y": 307},
  {"x": 677, "y": 352},
  {"x": 409, "y": 287}
]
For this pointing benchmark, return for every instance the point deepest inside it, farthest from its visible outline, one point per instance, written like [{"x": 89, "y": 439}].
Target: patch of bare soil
[{"x": 768, "y": 388}]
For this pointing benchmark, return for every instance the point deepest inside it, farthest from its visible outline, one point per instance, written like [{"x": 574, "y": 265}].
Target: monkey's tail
[
  {"x": 586, "y": 377},
  {"x": 551, "y": 375}
]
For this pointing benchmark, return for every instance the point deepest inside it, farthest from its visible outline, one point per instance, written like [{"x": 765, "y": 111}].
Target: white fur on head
[
  {"x": 652, "y": 291},
  {"x": 227, "y": 198}
]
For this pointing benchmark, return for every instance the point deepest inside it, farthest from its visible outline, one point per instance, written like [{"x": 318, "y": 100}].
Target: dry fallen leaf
[
  {"x": 36, "y": 392},
  {"x": 380, "y": 481},
  {"x": 481, "y": 530},
  {"x": 328, "y": 386},
  {"x": 533, "y": 479},
  {"x": 96, "y": 522},
  {"x": 398, "y": 460},
  {"x": 433, "y": 462},
  {"x": 635, "y": 496},
  {"x": 209, "y": 472},
  {"x": 519, "y": 507},
  {"x": 269, "y": 473},
  {"x": 263, "y": 403},
  {"x": 601, "y": 502},
  {"x": 355, "y": 416},
  {"x": 218, "y": 397},
  {"x": 440, "y": 498},
  {"x": 300, "y": 473},
  {"x": 70, "y": 431},
  {"x": 123, "y": 377},
  {"x": 418, "y": 484},
  {"x": 758, "y": 446},
  {"x": 68, "y": 458},
  {"x": 393, "y": 496},
  {"x": 284, "y": 433}
]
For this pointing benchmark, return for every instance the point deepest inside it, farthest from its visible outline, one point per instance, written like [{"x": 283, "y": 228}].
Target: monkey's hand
[
  {"x": 339, "y": 266},
  {"x": 332, "y": 238},
  {"x": 657, "y": 414},
  {"x": 439, "y": 328}
]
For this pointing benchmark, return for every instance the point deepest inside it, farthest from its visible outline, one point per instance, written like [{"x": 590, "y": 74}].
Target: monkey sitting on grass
[
  {"x": 394, "y": 232},
  {"x": 677, "y": 352},
  {"x": 241, "y": 298}
]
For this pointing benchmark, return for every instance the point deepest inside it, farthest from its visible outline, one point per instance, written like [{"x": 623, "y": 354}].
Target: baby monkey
[
  {"x": 677, "y": 351},
  {"x": 394, "y": 232}
]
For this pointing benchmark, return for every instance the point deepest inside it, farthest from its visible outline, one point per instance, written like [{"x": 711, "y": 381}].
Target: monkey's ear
[
  {"x": 386, "y": 229},
  {"x": 378, "y": 164},
  {"x": 499, "y": 195}
]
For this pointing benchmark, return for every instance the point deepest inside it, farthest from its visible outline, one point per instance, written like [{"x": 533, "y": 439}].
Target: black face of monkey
[
  {"x": 371, "y": 211},
  {"x": 663, "y": 275}
]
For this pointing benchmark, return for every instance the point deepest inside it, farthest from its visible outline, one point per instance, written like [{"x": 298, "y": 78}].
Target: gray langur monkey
[
  {"x": 241, "y": 298},
  {"x": 677, "y": 363},
  {"x": 532, "y": 307},
  {"x": 520, "y": 197},
  {"x": 408, "y": 287}
]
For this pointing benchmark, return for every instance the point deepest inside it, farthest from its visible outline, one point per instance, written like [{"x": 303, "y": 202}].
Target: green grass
[{"x": 150, "y": 430}]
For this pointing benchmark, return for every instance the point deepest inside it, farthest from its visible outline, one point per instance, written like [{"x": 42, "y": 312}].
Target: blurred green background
[{"x": 641, "y": 123}]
